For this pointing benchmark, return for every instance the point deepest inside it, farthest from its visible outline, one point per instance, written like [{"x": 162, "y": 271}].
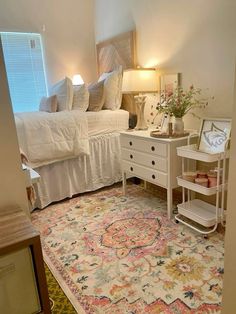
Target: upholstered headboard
[{"x": 116, "y": 51}]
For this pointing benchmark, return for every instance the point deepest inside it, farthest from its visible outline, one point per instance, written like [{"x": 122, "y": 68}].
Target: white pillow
[
  {"x": 48, "y": 104},
  {"x": 64, "y": 91},
  {"x": 80, "y": 98},
  {"x": 96, "y": 96},
  {"x": 112, "y": 88}
]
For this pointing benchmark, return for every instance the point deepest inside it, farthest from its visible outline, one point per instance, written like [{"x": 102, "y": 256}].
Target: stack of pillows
[{"x": 104, "y": 94}]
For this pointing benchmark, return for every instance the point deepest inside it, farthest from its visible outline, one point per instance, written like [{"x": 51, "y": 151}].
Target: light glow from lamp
[
  {"x": 77, "y": 80},
  {"x": 139, "y": 81},
  {"x": 152, "y": 63}
]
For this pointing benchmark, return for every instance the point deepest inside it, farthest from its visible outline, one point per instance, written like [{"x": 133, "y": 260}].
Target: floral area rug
[{"x": 120, "y": 254}]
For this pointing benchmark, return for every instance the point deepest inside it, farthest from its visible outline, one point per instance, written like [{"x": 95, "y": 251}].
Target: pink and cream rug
[{"x": 116, "y": 254}]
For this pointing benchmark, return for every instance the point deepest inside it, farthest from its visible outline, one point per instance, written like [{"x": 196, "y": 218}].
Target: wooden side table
[{"x": 23, "y": 288}]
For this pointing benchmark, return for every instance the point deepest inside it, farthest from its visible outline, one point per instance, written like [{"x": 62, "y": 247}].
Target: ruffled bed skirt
[{"x": 84, "y": 173}]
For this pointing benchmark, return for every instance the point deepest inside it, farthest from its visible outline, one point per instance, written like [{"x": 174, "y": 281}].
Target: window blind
[{"x": 25, "y": 69}]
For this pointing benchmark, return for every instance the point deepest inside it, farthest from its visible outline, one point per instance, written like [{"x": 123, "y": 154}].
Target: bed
[{"x": 92, "y": 159}]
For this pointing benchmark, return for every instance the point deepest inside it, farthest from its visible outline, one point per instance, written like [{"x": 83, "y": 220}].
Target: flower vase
[{"x": 178, "y": 126}]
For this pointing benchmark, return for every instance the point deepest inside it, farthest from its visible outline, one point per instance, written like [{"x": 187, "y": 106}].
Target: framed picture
[
  {"x": 214, "y": 135},
  {"x": 169, "y": 82},
  {"x": 164, "y": 122}
]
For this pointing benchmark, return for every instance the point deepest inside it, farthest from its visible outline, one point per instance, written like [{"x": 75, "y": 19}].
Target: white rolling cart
[{"x": 203, "y": 213}]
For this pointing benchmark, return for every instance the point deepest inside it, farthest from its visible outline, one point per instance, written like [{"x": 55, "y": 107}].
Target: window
[{"x": 25, "y": 69}]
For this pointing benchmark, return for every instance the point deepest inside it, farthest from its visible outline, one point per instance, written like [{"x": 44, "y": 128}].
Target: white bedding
[
  {"x": 49, "y": 137},
  {"x": 46, "y": 138},
  {"x": 107, "y": 121},
  {"x": 102, "y": 167}
]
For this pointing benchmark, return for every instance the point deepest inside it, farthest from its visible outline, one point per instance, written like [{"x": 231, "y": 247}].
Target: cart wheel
[
  {"x": 176, "y": 221},
  {"x": 205, "y": 236}
]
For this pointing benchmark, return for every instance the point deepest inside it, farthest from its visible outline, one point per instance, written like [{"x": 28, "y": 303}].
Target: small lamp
[
  {"x": 77, "y": 80},
  {"x": 139, "y": 81}
]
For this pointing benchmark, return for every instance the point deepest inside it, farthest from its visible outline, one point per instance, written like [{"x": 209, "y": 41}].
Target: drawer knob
[
  {"x": 130, "y": 143},
  {"x": 153, "y": 162},
  {"x": 153, "y": 176},
  {"x": 131, "y": 169},
  {"x": 131, "y": 156},
  {"x": 153, "y": 148}
]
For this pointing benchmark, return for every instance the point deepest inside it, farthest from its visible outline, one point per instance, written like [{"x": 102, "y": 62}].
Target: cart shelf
[
  {"x": 191, "y": 152},
  {"x": 199, "y": 188},
  {"x": 198, "y": 211}
]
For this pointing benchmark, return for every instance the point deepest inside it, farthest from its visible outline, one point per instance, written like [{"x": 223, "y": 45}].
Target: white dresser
[{"x": 152, "y": 159}]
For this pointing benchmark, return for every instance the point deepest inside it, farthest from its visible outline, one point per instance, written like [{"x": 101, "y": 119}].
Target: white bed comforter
[{"x": 49, "y": 137}]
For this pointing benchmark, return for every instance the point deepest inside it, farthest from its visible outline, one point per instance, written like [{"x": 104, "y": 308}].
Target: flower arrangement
[{"x": 180, "y": 102}]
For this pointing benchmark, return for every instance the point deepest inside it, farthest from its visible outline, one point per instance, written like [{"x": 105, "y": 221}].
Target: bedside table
[{"x": 152, "y": 159}]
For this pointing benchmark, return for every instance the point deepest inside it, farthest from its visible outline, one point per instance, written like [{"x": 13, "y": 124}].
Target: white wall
[
  {"x": 68, "y": 35},
  {"x": 229, "y": 301},
  {"x": 196, "y": 38},
  {"x": 12, "y": 182}
]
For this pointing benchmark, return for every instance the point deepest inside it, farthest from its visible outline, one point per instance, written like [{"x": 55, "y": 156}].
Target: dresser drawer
[
  {"x": 142, "y": 145},
  {"x": 19, "y": 291},
  {"x": 148, "y": 160},
  {"x": 150, "y": 175}
]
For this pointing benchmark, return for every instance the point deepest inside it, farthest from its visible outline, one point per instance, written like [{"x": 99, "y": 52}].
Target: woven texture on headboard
[
  {"x": 116, "y": 51},
  {"x": 119, "y": 50}
]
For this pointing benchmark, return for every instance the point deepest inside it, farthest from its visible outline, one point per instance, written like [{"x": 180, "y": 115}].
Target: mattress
[{"x": 107, "y": 121}]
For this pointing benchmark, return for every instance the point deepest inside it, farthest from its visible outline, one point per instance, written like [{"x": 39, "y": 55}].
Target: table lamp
[
  {"x": 139, "y": 81},
  {"x": 77, "y": 80}
]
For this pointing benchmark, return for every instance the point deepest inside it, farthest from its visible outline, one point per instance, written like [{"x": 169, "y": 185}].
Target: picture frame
[
  {"x": 164, "y": 122},
  {"x": 214, "y": 135},
  {"x": 169, "y": 82}
]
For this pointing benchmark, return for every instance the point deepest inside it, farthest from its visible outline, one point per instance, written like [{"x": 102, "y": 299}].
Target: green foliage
[{"x": 181, "y": 102}]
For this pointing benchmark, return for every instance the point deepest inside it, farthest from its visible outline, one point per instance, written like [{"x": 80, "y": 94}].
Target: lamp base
[
  {"x": 141, "y": 127},
  {"x": 140, "y": 103}
]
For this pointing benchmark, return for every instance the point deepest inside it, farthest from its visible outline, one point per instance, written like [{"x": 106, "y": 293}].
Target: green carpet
[{"x": 58, "y": 300}]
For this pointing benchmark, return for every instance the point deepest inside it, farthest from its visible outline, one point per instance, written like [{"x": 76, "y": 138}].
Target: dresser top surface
[{"x": 145, "y": 134}]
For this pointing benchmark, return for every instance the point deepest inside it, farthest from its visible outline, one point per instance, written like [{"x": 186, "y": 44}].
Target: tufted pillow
[
  {"x": 64, "y": 91},
  {"x": 96, "y": 96},
  {"x": 80, "y": 98},
  {"x": 48, "y": 104},
  {"x": 112, "y": 89}
]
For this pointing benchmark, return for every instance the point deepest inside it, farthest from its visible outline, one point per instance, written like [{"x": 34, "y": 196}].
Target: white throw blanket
[{"x": 49, "y": 137}]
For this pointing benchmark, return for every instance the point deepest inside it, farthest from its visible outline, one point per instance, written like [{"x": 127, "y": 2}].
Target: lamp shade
[
  {"x": 77, "y": 80},
  {"x": 139, "y": 81}
]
